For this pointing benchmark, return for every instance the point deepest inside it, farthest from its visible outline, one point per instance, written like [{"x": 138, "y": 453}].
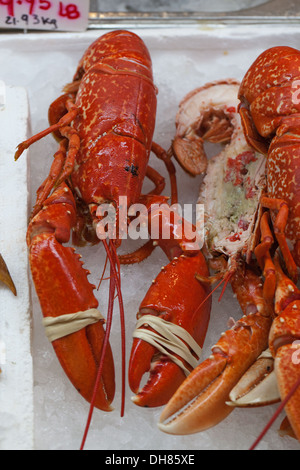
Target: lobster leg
[
  {"x": 68, "y": 291},
  {"x": 72, "y": 112},
  {"x": 267, "y": 240},
  {"x": 200, "y": 402},
  {"x": 262, "y": 253},
  {"x": 74, "y": 145},
  {"x": 166, "y": 158},
  {"x": 58, "y": 109},
  {"x": 157, "y": 179},
  {"x": 252, "y": 136},
  {"x": 46, "y": 187},
  {"x": 279, "y": 227},
  {"x": 62, "y": 165}
]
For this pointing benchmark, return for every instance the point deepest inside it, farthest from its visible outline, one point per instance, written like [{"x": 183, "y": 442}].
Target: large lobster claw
[
  {"x": 200, "y": 402},
  {"x": 67, "y": 299},
  {"x": 173, "y": 300},
  {"x": 273, "y": 376},
  {"x": 258, "y": 386}
]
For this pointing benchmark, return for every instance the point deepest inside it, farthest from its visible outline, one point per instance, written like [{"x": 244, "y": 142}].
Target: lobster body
[
  {"x": 116, "y": 119},
  {"x": 104, "y": 123},
  {"x": 270, "y": 112},
  {"x": 270, "y": 115}
]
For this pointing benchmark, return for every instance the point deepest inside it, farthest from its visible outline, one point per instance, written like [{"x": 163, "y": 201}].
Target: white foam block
[{"x": 16, "y": 378}]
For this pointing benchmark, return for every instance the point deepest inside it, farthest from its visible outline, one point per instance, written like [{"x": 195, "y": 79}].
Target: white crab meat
[
  {"x": 235, "y": 178},
  {"x": 231, "y": 191}
]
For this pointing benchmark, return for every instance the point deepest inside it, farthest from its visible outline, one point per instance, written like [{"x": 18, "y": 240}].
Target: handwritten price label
[{"x": 65, "y": 15}]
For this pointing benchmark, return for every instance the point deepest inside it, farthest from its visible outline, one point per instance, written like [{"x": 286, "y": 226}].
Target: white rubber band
[
  {"x": 170, "y": 336},
  {"x": 63, "y": 325}
]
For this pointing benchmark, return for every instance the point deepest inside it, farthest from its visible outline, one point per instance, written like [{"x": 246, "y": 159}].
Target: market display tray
[{"x": 183, "y": 58}]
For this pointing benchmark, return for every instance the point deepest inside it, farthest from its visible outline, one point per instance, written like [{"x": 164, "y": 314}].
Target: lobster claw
[
  {"x": 198, "y": 400},
  {"x": 69, "y": 300},
  {"x": 258, "y": 386},
  {"x": 201, "y": 401},
  {"x": 5, "y": 276},
  {"x": 173, "y": 301},
  {"x": 284, "y": 345},
  {"x": 162, "y": 372}
]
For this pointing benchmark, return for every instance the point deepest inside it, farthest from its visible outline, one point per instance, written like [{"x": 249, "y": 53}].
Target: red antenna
[
  {"x": 114, "y": 284},
  {"x": 225, "y": 279},
  {"x": 276, "y": 414}
]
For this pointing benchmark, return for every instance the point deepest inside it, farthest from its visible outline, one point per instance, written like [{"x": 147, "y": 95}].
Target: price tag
[{"x": 51, "y": 15}]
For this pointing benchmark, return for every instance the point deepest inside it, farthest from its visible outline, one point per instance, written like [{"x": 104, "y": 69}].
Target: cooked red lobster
[
  {"x": 270, "y": 115},
  {"x": 105, "y": 122},
  {"x": 269, "y": 111},
  {"x": 232, "y": 187}
]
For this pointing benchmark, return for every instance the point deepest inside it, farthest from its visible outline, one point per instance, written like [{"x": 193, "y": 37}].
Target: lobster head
[
  {"x": 269, "y": 95},
  {"x": 115, "y": 49}
]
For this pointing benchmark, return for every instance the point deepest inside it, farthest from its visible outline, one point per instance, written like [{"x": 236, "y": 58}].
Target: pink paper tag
[{"x": 51, "y": 15}]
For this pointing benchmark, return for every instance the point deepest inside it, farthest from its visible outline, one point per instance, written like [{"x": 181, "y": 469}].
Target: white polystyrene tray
[
  {"x": 16, "y": 378},
  {"x": 183, "y": 58}
]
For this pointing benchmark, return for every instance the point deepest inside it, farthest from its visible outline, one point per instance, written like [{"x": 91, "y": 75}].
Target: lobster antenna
[
  {"x": 103, "y": 272},
  {"x": 224, "y": 279},
  {"x": 114, "y": 284},
  {"x": 276, "y": 414},
  {"x": 122, "y": 322},
  {"x": 101, "y": 363}
]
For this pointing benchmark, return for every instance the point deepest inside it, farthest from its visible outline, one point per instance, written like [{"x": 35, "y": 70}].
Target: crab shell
[{"x": 234, "y": 178}]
